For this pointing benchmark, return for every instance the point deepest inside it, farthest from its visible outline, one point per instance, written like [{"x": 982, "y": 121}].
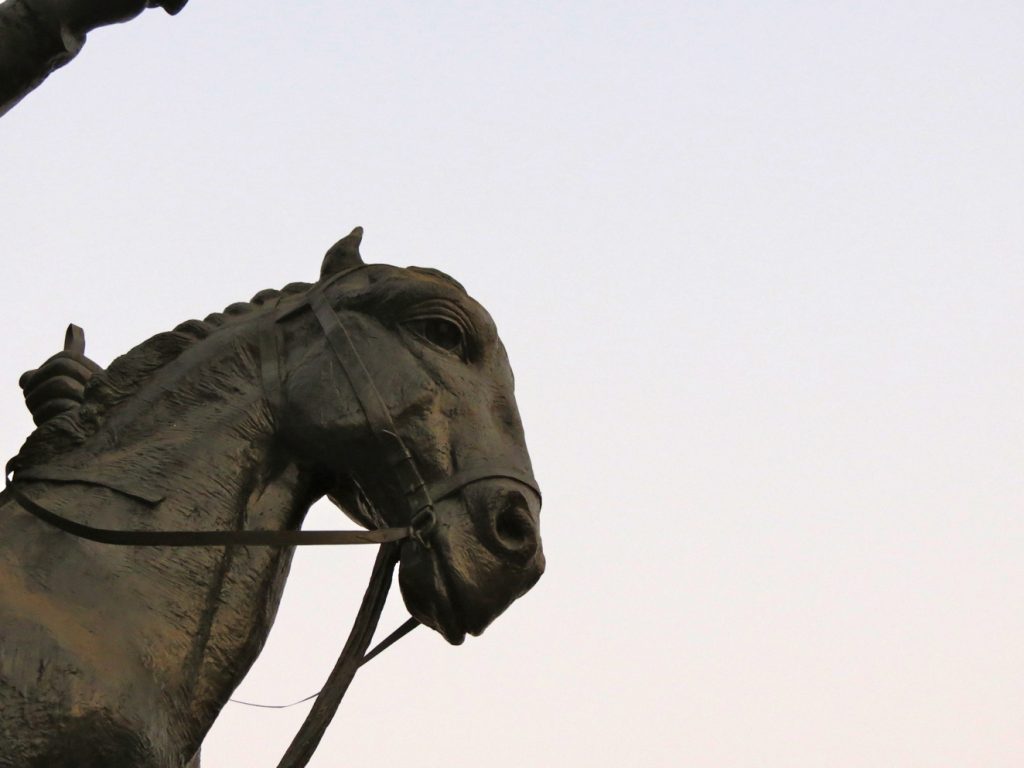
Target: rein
[{"x": 419, "y": 496}]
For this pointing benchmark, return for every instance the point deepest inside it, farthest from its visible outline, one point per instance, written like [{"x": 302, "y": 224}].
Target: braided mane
[{"x": 128, "y": 373}]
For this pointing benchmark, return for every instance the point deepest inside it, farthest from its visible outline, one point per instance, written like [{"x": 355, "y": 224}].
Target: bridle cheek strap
[{"x": 395, "y": 453}]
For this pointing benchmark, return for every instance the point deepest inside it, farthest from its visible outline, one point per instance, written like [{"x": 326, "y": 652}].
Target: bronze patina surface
[{"x": 123, "y": 655}]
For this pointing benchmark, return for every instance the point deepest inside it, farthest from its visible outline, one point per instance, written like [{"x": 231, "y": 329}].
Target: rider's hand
[
  {"x": 81, "y": 16},
  {"x": 58, "y": 385}
]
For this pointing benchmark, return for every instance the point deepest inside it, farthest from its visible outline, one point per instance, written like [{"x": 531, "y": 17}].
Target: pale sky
[{"x": 760, "y": 270}]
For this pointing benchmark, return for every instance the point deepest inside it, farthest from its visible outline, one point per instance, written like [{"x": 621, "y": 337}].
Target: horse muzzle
[{"x": 485, "y": 551}]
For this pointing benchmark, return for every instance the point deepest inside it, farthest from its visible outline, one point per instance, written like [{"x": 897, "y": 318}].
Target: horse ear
[{"x": 344, "y": 254}]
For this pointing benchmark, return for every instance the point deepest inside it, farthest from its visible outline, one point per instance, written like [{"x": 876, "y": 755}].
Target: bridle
[{"x": 419, "y": 495}]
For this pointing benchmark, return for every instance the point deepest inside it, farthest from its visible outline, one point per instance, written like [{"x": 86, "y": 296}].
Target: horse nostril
[{"x": 516, "y": 530}]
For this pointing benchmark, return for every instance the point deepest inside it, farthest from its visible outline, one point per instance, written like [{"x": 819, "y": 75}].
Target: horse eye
[{"x": 439, "y": 332}]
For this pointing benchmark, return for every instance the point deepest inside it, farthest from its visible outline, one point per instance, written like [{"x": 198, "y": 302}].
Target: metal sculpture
[
  {"x": 40, "y": 36},
  {"x": 385, "y": 389}
]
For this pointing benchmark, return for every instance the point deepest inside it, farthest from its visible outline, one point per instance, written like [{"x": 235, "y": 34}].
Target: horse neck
[
  {"x": 198, "y": 433},
  {"x": 202, "y": 436}
]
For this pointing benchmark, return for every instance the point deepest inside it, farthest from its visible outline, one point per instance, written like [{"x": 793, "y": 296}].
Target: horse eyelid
[{"x": 461, "y": 350}]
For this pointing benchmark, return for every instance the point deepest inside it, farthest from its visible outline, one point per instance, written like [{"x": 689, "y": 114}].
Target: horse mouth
[
  {"x": 453, "y": 591},
  {"x": 482, "y": 555},
  {"x": 429, "y": 594}
]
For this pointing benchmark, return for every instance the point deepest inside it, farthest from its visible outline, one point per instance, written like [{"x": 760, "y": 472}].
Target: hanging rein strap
[{"x": 352, "y": 657}]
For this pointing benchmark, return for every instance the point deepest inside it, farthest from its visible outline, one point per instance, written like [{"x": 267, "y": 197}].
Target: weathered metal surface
[{"x": 123, "y": 656}]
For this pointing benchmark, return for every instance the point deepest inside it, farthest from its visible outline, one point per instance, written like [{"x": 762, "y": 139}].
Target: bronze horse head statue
[{"x": 123, "y": 656}]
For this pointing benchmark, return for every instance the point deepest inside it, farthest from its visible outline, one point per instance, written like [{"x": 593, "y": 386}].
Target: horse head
[{"x": 415, "y": 360}]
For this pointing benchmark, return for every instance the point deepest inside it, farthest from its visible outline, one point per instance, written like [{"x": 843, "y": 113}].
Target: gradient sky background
[{"x": 759, "y": 270}]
